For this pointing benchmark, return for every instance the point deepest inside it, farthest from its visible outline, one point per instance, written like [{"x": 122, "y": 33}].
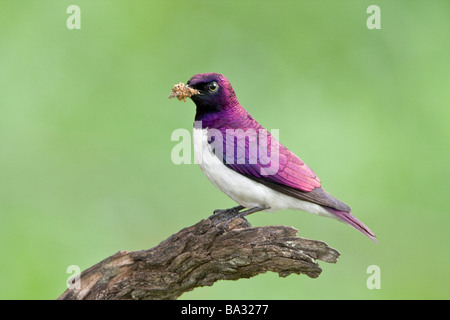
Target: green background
[{"x": 85, "y": 134}]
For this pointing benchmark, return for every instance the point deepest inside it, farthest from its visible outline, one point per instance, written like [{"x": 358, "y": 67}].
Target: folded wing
[{"x": 256, "y": 154}]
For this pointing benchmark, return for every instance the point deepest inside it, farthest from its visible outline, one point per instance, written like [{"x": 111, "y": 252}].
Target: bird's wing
[{"x": 257, "y": 155}]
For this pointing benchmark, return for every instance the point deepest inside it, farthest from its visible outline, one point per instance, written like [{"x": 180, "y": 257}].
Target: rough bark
[{"x": 200, "y": 255}]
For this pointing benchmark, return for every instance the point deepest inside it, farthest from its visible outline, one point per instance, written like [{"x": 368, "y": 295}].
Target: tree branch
[{"x": 200, "y": 255}]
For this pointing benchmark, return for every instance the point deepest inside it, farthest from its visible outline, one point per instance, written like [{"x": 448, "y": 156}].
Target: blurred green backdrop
[{"x": 85, "y": 127}]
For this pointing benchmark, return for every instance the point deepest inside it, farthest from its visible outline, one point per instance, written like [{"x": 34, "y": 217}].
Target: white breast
[{"x": 244, "y": 191}]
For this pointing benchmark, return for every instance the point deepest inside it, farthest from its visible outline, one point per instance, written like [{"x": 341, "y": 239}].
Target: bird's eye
[{"x": 213, "y": 86}]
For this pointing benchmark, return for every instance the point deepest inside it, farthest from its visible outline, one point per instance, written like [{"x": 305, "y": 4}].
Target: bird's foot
[
  {"x": 233, "y": 210},
  {"x": 234, "y": 213},
  {"x": 220, "y": 215}
]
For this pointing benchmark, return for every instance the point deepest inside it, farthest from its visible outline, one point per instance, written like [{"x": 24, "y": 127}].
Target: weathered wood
[{"x": 200, "y": 255}]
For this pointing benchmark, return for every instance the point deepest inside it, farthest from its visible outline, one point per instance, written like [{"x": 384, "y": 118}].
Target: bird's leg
[
  {"x": 224, "y": 214},
  {"x": 226, "y": 211},
  {"x": 243, "y": 214}
]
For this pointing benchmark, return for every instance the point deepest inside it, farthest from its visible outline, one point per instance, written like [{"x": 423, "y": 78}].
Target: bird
[{"x": 246, "y": 162}]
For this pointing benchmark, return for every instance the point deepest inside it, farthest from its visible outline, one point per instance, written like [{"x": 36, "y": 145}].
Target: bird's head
[{"x": 215, "y": 93}]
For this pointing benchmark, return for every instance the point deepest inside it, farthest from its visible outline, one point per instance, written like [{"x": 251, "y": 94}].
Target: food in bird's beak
[{"x": 182, "y": 91}]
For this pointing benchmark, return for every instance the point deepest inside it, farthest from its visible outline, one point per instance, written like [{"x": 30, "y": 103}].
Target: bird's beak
[
  {"x": 193, "y": 91},
  {"x": 182, "y": 91}
]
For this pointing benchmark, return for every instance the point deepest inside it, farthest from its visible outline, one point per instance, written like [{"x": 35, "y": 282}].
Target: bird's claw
[{"x": 233, "y": 210}]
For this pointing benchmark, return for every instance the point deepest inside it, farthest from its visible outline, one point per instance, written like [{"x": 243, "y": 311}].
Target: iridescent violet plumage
[{"x": 244, "y": 175}]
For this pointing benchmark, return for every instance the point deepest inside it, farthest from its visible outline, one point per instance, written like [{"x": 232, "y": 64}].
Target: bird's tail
[{"x": 355, "y": 223}]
